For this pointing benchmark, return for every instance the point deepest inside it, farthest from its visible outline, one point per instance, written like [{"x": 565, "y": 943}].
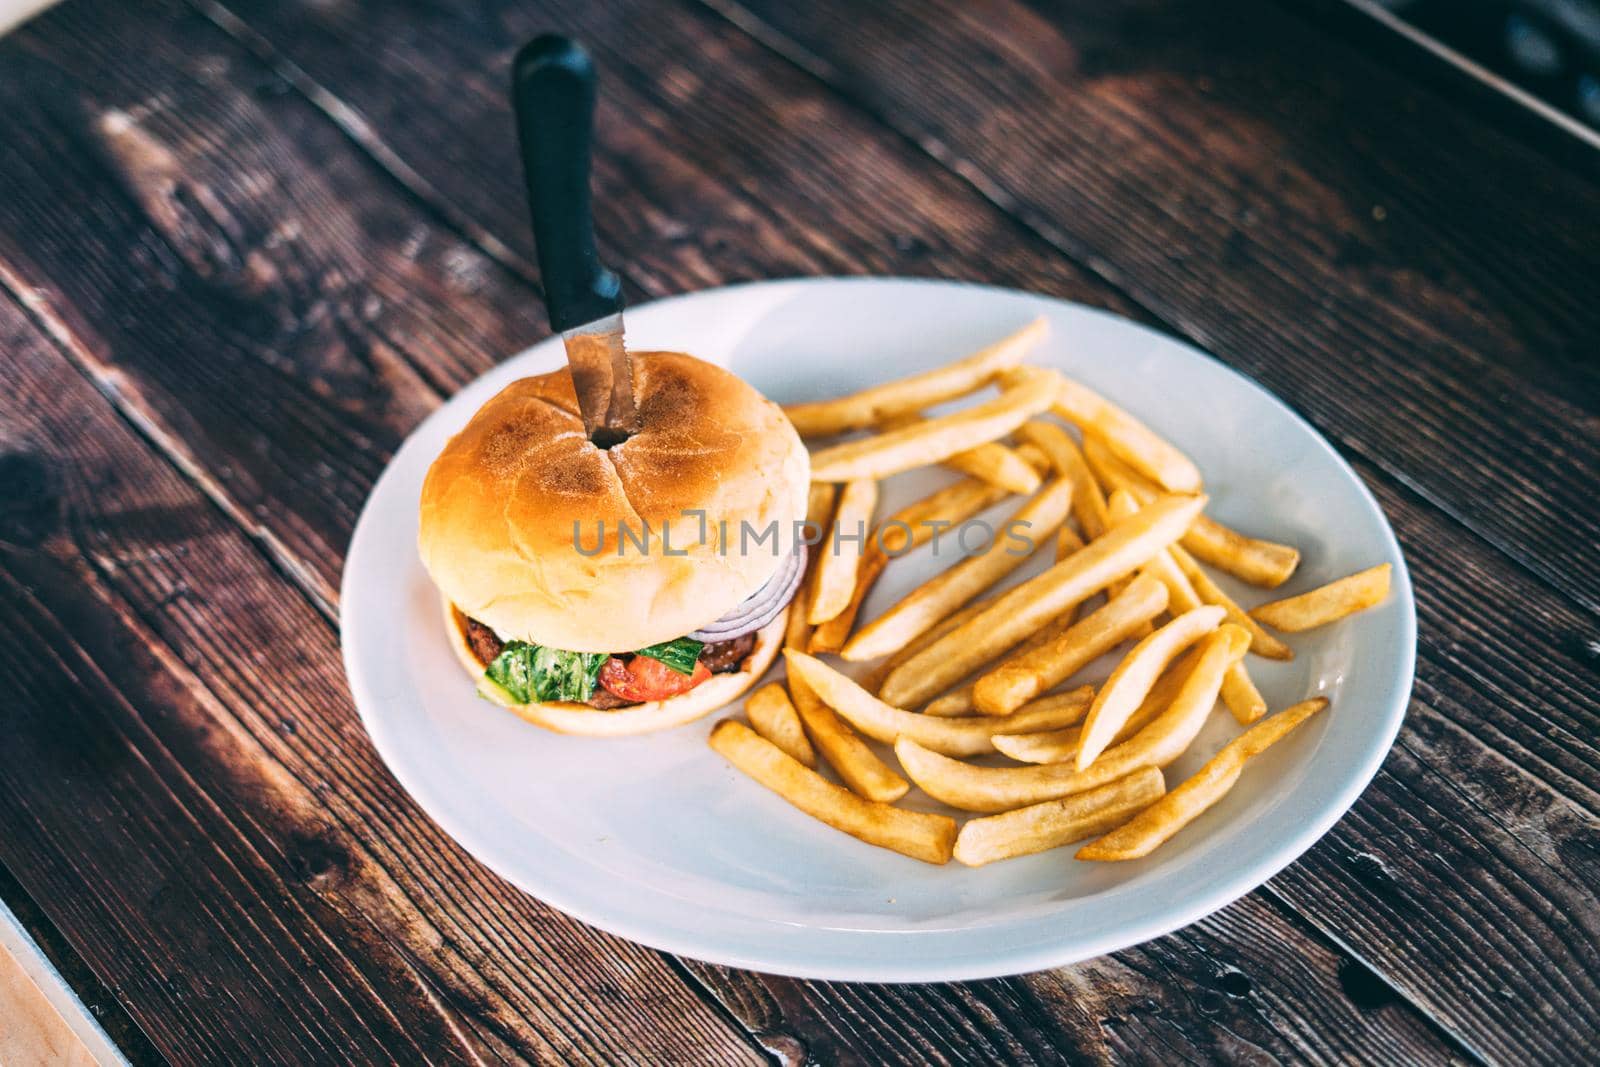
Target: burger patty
[
  {"x": 724, "y": 657},
  {"x": 721, "y": 657}
]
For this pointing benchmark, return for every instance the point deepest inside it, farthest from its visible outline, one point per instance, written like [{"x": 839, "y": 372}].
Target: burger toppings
[
  {"x": 680, "y": 654},
  {"x": 534, "y": 673},
  {"x": 640, "y": 679},
  {"x": 762, "y": 606},
  {"x": 527, "y": 673}
]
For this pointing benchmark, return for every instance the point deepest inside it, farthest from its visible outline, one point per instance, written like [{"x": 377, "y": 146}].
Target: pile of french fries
[{"x": 963, "y": 672}]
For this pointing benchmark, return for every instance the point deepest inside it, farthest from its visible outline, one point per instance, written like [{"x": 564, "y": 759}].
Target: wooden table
[{"x": 245, "y": 245}]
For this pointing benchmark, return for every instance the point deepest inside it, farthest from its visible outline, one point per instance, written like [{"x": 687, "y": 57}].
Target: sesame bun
[
  {"x": 572, "y": 718},
  {"x": 501, "y": 504}
]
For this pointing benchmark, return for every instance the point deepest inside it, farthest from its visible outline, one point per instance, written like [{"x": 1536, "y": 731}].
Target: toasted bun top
[{"x": 501, "y": 504}]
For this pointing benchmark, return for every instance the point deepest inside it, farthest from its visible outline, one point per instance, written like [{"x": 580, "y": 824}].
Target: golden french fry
[
  {"x": 846, "y": 753},
  {"x": 1240, "y": 694},
  {"x": 1068, "y": 541},
  {"x": 920, "y": 835},
  {"x": 993, "y": 462},
  {"x": 937, "y": 438},
  {"x": 1024, "y": 676},
  {"x": 1239, "y": 691},
  {"x": 947, "y": 591},
  {"x": 871, "y": 406},
  {"x": 998, "y": 465},
  {"x": 883, "y": 722},
  {"x": 1053, "y": 823},
  {"x": 1146, "y": 831},
  {"x": 831, "y": 635},
  {"x": 773, "y": 717},
  {"x": 1023, "y": 609},
  {"x": 1261, "y": 642},
  {"x": 1088, "y": 505},
  {"x": 1130, "y": 439},
  {"x": 1328, "y": 603},
  {"x": 837, "y": 564},
  {"x": 1133, "y": 678},
  {"x": 989, "y": 789},
  {"x": 1061, "y": 746},
  {"x": 1251, "y": 559},
  {"x": 1121, "y": 505},
  {"x": 819, "y": 516},
  {"x": 959, "y": 701}
]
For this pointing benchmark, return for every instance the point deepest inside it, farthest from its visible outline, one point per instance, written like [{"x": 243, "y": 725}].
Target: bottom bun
[{"x": 567, "y": 717}]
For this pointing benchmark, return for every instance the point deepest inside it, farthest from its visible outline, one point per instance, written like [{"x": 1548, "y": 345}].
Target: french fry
[
  {"x": 960, "y": 700},
  {"x": 1130, "y": 439},
  {"x": 1133, "y": 678},
  {"x": 1088, "y": 505},
  {"x": 1024, "y": 676},
  {"x": 990, "y": 789},
  {"x": 1053, "y": 823},
  {"x": 1239, "y": 691},
  {"x": 836, "y": 568},
  {"x": 937, "y": 438},
  {"x": 1149, "y": 829},
  {"x": 907, "y": 529},
  {"x": 998, "y": 465},
  {"x": 943, "y": 594},
  {"x": 1068, "y": 541},
  {"x": 1261, "y": 642},
  {"x": 819, "y": 515},
  {"x": 1251, "y": 559},
  {"x": 993, "y": 462},
  {"x": 773, "y": 717},
  {"x": 915, "y": 524},
  {"x": 871, "y": 406},
  {"x": 831, "y": 635},
  {"x": 883, "y": 722},
  {"x": 1328, "y": 603},
  {"x": 846, "y": 753},
  {"x": 1061, "y": 746},
  {"x": 920, "y": 835},
  {"x": 873, "y": 681},
  {"x": 1244, "y": 701},
  {"x": 1121, "y": 505},
  {"x": 1023, "y": 609}
]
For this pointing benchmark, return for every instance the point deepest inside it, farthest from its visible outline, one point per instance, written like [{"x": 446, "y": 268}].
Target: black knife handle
[{"x": 553, "y": 90}]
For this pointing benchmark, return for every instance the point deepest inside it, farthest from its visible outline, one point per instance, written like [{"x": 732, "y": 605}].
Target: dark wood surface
[{"x": 245, "y": 246}]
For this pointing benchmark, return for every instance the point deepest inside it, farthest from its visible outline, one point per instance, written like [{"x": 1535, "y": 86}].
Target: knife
[{"x": 553, "y": 91}]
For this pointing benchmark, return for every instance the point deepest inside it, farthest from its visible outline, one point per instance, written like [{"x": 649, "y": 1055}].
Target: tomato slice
[{"x": 643, "y": 679}]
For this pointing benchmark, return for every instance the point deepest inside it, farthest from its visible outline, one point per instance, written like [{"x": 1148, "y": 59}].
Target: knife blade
[{"x": 602, "y": 376}]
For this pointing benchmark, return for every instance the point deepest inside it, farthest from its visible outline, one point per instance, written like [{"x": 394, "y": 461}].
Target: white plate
[{"x": 657, "y": 839}]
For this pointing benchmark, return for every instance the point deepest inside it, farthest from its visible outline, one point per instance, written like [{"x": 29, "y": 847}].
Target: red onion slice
[{"x": 762, "y": 606}]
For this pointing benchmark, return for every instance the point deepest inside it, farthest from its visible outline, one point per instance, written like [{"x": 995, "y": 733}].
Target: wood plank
[
  {"x": 1244, "y": 984},
  {"x": 1412, "y": 281},
  {"x": 213, "y": 830}
]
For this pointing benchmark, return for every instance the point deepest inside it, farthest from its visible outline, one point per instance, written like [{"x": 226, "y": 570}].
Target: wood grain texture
[{"x": 263, "y": 200}]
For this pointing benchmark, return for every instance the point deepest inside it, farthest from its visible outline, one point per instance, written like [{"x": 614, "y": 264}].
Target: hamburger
[{"x": 621, "y": 589}]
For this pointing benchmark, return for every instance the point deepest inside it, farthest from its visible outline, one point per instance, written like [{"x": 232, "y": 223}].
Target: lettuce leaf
[
  {"x": 679, "y": 654},
  {"x": 533, "y": 673}
]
